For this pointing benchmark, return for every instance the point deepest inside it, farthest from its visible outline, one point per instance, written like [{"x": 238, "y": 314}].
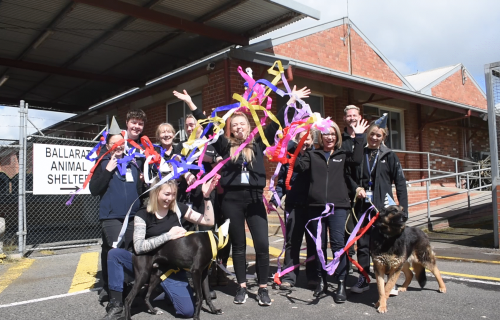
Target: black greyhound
[{"x": 192, "y": 252}]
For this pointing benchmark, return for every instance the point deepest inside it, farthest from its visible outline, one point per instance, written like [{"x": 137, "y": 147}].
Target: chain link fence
[
  {"x": 50, "y": 223},
  {"x": 9, "y": 196}
]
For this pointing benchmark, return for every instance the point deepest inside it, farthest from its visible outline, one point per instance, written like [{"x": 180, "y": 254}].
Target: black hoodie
[{"x": 327, "y": 181}]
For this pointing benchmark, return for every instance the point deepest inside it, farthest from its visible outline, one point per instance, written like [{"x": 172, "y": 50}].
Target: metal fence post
[
  {"x": 20, "y": 176},
  {"x": 427, "y": 187},
  {"x": 468, "y": 194},
  {"x": 456, "y": 177},
  {"x": 25, "y": 142}
]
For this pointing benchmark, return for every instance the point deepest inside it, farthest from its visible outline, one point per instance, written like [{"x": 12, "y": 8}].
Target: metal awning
[{"x": 68, "y": 55}]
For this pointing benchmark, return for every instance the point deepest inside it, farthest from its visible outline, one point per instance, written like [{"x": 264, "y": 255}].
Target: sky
[
  {"x": 420, "y": 35},
  {"x": 9, "y": 121},
  {"x": 414, "y": 35}
]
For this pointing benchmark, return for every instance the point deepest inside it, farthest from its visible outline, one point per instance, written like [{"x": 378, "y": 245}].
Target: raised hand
[
  {"x": 190, "y": 178},
  {"x": 360, "y": 126},
  {"x": 186, "y": 98},
  {"x": 301, "y": 94},
  {"x": 209, "y": 185}
]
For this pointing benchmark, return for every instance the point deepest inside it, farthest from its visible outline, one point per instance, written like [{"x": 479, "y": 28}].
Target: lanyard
[{"x": 370, "y": 170}]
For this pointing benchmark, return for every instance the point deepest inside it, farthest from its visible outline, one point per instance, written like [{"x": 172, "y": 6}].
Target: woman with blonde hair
[
  {"x": 326, "y": 167},
  {"x": 243, "y": 179},
  {"x": 165, "y": 134},
  {"x": 154, "y": 225}
]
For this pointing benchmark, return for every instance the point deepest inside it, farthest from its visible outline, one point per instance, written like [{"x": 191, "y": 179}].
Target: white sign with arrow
[{"x": 60, "y": 169}]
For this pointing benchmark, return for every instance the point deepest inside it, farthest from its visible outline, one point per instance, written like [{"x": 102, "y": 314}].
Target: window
[
  {"x": 315, "y": 102},
  {"x": 176, "y": 113},
  {"x": 395, "y": 124}
]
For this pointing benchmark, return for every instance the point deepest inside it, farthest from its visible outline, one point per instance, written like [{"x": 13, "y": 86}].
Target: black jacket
[
  {"x": 231, "y": 171},
  {"x": 299, "y": 182},
  {"x": 387, "y": 171},
  {"x": 327, "y": 179},
  {"x": 115, "y": 194}
]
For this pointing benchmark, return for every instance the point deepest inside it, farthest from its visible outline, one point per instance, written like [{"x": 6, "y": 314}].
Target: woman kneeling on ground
[{"x": 154, "y": 225}]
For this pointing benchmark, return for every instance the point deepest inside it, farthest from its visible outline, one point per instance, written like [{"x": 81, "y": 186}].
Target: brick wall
[
  {"x": 453, "y": 89},
  {"x": 322, "y": 48},
  {"x": 367, "y": 63}
]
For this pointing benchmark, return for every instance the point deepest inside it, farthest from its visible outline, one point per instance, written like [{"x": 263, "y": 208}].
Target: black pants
[
  {"x": 295, "y": 229},
  {"x": 351, "y": 222},
  {"x": 110, "y": 232},
  {"x": 363, "y": 251},
  {"x": 335, "y": 224},
  {"x": 240, "y": 205}
]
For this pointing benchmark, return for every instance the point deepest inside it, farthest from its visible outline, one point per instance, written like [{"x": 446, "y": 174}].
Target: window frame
[
  {"x": 402, "y": 122},
  {"x": 181, "y": 131}
]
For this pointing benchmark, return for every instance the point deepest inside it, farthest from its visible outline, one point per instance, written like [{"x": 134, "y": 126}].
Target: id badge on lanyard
[
  {"x": 369, "y": 192},
  {"x": 128, "y": 175},
  {"x": 245, "y": 175}
]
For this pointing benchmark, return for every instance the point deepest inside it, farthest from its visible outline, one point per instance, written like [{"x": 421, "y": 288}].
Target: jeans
[
  {"x": 110, "y": 231},
  {"x": 176, "y": 286},
  {"x": 335, "y": 224},
  {"x": 295, "y": 228}
]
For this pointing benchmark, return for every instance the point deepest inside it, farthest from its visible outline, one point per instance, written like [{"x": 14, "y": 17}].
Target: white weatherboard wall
[{"x": 60, "y": 169}]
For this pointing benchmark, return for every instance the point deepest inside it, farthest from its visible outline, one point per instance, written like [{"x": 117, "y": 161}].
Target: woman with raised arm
[
  {"x": 326, "y": 167},
  {"x": 159, "y": 222},
  {"x": 243, "y": 179},
  {"x": 371, "y": 181}
]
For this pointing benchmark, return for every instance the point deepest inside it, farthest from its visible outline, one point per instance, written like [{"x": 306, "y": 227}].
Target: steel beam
[
  {"x": 167, "y": 20},
  {"x": 44, "y": 105},
  {"x": 67, "y": 72}
]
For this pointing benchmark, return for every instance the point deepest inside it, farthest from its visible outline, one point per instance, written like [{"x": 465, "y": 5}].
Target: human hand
[
  {"x": 176, "y": 233},
  {"x": 360, "y": 126},
  {"x": 113, "y": 162},
  {"x": 186, "y": 98},
  {"x": 362, "y": 194},
  {"x": 301, "y": 94},
  {"x": 209, "y": 186},
  {"x": 190, "y": 178}
]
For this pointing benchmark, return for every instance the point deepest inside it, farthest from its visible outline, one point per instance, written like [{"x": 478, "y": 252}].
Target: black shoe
[
  {"x": 263, "y": 295},
  {"x": 115, "y": 311},
  {"x": 361, "y": 286},
  {"x": 103, "y": 296},
  {"x": 241, "y": 295},
  {"x": 340, "y": 295},
  {"x": 321, "y": 289}
]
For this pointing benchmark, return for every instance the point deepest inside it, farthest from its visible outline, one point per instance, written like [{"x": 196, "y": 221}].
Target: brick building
[{"x": 439, "y": 111}]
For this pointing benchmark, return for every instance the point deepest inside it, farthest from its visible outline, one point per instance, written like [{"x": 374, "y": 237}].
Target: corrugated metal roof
[
  {"x": 420, "y": 80},
  {"x": 89, "y": 38}
]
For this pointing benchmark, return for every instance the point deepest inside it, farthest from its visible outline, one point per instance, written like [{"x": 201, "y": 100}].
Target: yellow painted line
[
  {"x": 472, "y": 276},
  {"x": 467, "y": 259},
  {"x": 86, "y": 271},
  {"x": 14, "y": 272}
]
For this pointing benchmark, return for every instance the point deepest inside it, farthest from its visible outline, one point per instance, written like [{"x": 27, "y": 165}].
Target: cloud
[
  {"x": 9, "y": 121},
  {"x": 420, "y": 35}
]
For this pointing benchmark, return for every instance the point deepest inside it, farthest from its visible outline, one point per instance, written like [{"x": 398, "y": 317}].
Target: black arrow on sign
[{"x": 72, "y": 188}]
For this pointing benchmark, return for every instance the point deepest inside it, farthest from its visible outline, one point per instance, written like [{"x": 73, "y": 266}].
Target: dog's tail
[{"x": 419, "y": 271}]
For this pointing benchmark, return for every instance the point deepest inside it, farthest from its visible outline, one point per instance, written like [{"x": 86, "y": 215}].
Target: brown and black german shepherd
[{"x": 393, "y": 247}]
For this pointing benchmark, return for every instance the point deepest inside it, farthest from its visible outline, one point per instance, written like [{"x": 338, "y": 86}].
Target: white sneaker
[{"x": 394, "y": 291}]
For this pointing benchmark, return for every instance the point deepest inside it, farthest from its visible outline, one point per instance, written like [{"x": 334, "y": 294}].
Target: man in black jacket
[
  {"x": 352, "y": 114},
  {"x": 296, "y": 207}
]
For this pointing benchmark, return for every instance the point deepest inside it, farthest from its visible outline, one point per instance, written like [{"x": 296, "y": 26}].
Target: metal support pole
[
  {"x": 25, "y": 142},
  {"x": 428, "y": 165},
  {"x": 20, "y": 178},
  {"x": 427, "y": 187},
  {"x": 457, "y": 183},
  {"x": 468, "y": 194}
]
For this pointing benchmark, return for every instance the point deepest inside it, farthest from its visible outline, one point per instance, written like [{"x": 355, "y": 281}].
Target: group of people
[{"x": 350, "y": 169}]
